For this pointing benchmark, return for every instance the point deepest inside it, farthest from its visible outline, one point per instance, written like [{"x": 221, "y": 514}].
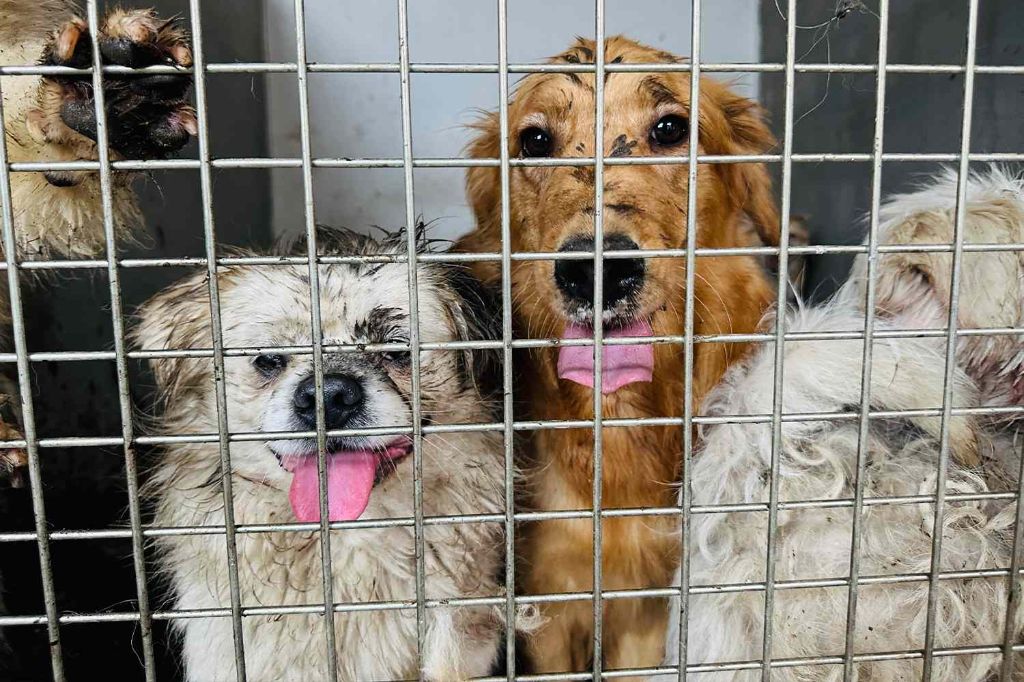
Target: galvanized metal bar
[
  {"x": 316, "y": 332},
  {"x": 498, "y": 600},
  {"x": 780, "y": 325},
  {"x": 31, "y": 444},
  {"x": 951, "y": 339},
  {"x": 507, "y": 416},
  {"x": 475, "y": 68},
  {"x": 120, "y": 361},
  {"x": 414, "y": 327},
  {"x": 598, "y": 325},
  {"x": 529, "y": 425},
  {"x": 454, "y": 162},
  {"x": 458, "y": 258},
  {"x": 217, "y": 338},
  {"x": 398, "y": 522},
  {"x": 863, "y": 439},
  {"x": 686, "y": 499}
]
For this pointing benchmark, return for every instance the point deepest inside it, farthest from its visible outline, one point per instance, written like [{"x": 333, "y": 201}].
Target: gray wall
[
  {"x": 359, "y": 115},
  {"x": 84, "y": 487},
  {"x": 923, "y": 112}
]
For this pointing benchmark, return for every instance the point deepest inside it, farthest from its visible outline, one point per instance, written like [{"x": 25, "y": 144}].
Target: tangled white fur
[
  {"x": 463, "y": 473},
  {"x": 818, "y": 461}
]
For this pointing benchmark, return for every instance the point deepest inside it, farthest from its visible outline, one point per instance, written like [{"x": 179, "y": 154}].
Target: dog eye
[
  {"x": 397, "y": 358},
  {"x": 535, "y": 142},
  {"x": 670, "y": 130},
  {"x": 268, "y": 365}
]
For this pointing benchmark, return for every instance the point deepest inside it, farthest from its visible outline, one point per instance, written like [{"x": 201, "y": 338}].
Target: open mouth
[
  {"x": 351, "y": 477},
  {"x": 620, "y": 364}
]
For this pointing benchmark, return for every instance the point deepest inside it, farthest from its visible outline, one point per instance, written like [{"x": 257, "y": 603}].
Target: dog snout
[
  {"x": 343, "y": 398},
  {"x": 622, "y": 277}
]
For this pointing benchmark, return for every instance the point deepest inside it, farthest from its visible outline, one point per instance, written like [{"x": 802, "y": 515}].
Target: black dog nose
[
  {"x": 622, "y": 276},
  {"x": 343, "y": 397}
]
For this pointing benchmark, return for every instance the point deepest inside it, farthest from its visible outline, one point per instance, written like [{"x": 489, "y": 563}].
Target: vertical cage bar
[
  {"x": 869, "y": 329},
  {"x": 508, "y": 434},
  {"x": 217, "y": 337},
  {"x": 120, "y": 358},
  {"x": 1013, "y": 580},
  {"x": 598, "y": 480},
  {"x": 780, "y": 332},
  {"x": 302, "y": 78},
  {"x": 414, "y": 324},
  {"x": 951, "y": 337},
  {"x": 27, "y": 410},
  {"x": 691, "y": 265}
]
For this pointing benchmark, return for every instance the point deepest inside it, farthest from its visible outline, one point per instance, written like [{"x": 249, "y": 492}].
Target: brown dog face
[{"x": 552, "y": 208}]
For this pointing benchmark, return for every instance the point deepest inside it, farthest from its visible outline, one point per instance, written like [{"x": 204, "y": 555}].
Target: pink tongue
[
  {"x": 620, "y": 365},
  {"x": 349, "y": 483}
]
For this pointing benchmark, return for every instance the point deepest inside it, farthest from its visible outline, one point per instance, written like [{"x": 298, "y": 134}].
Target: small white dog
[
  {"x": 818, "y": 461},
  {"x": 368, "y": 477}
]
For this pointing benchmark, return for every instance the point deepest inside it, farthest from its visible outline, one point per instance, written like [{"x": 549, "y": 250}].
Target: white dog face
[
  {"x": 275, "y": 392},
  {"x": 914, "y": 288}
]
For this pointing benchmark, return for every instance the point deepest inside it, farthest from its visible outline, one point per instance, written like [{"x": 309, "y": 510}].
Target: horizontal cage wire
[{"x": 145, "y": 610}]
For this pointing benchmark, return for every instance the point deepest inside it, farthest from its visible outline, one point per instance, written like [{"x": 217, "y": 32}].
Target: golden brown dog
[{"x": 645, "y": 206}]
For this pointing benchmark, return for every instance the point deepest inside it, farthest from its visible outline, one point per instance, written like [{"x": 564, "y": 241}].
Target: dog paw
[
  {"x": 13, "y": 461},
  {"x": 147, "y": 116}
]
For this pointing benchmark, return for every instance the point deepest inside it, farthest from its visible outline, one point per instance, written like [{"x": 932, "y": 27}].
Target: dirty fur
[
  {"x": 550, "y": 205},
  {"x": 818, "y": 461},
  {"x": 59, "y": 214},
  {"x": 463, "y": 473}
]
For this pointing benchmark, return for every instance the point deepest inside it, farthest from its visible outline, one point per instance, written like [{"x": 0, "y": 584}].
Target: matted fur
[
  {"x": 818, "y": 461},
  {"x": 463, "y": 473},
  {"x": 548, "y": 205}
]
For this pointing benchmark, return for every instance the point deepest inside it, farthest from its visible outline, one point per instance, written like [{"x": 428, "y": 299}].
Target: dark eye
[
  {"x": 269, "y": 365},
  {"x": 535, "y": 142},
  {"x": 670, "y": 130},
  {"x": 395, "y": 358}
]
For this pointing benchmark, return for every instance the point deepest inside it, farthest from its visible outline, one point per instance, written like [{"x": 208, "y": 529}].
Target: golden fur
[{"x": 649, "y": 205}]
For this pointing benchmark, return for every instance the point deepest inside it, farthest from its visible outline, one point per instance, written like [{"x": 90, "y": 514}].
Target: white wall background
[{"x": 359, "y": 115}]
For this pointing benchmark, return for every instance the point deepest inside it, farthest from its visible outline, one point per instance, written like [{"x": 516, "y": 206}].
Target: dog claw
[
  {"x": 147, "y": 115},
  {"x": 13, "y": 461}
]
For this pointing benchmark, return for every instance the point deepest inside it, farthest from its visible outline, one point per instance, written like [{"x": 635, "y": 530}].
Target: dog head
[
  {"x": 914, "y": 288},
  {"x": 645, "y": 206},
  {"x": 275, "y": 391}
]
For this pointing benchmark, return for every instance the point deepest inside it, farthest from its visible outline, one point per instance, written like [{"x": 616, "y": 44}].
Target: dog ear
[
  {"x": 177, "y": 318},
  {"x": 475, "y": 311},
  {"x": 750, "y": 183},
  {"x": 483, "y": 190}
]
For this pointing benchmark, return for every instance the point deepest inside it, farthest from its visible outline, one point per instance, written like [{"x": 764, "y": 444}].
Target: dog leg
[
  {"x": 564, "y": 643},
  {"x": 634, "y": 634},
  {"x": 52, "y": 119}
]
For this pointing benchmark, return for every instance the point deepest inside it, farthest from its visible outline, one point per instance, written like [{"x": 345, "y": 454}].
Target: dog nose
[
  {"x": 343, "y": 397},
  {"x": 622, "y": 276}
]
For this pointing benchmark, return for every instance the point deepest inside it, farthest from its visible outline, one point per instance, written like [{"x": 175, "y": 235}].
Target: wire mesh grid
[{"x": 55, "y": 619}]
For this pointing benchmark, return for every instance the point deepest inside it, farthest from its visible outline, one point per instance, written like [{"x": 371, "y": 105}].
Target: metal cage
[{"x": 57, "y": 620}]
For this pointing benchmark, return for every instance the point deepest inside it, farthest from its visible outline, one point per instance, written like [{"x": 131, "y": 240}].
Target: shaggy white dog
[
  {"x": 368, "y": 476},
  {"x": 818, "y": 461}
]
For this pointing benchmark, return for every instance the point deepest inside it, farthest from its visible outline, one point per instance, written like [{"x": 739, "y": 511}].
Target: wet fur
[
  {"x": 647, "y": 203},
  {"x": 58, "y": 214},
  {"x": 463, "y": 473},
  {"x": 818, "y": 461}
]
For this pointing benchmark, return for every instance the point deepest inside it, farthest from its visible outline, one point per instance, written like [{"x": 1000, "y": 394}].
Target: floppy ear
[
  {"x": 178, "y": 318},
  {"x": 483, "y": 190},
  {"x": 750, "y": 182},
  {"x": 475, "y": 310}
]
